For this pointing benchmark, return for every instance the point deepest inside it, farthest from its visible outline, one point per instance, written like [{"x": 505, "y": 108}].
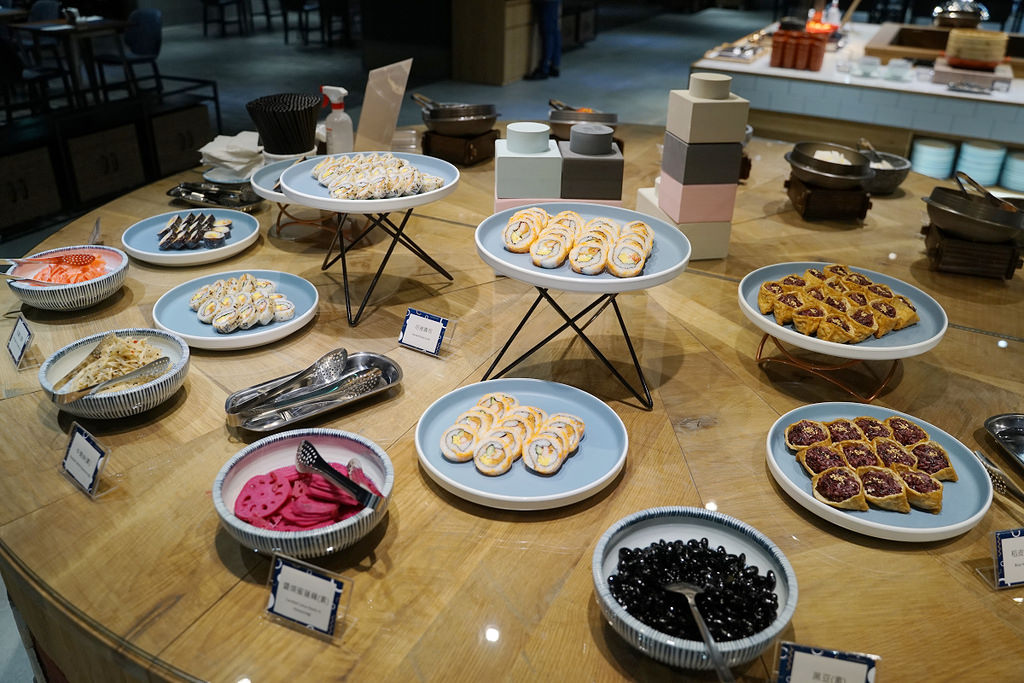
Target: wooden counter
[{"x": 144, "y": 584}]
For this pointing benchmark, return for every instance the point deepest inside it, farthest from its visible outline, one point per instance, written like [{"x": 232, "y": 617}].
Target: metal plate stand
[
  {"x": 822, "y": 371},
  {"x": 282, "y": 212},
  {"x": 571, "y": 322},
  {"x": 397, "y": 232}
]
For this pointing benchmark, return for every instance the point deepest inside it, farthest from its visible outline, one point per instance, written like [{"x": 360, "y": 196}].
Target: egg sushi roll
[
  {"x": 519, "y": 235},
  {"x": 458, "y": 442},
  {"x": 588, "y": 259},
  {"x": 226, "y": 320},
  {"x": 626, "y": 259},
  {"x": 545, "y": 452},
  {"x": 283, "y": 310},
  {"x": 478, "y": 418},
  {"x": 497, "y": 402},
  {"x": 549, "y": 252},
  {"x": 495, "y": 453}
]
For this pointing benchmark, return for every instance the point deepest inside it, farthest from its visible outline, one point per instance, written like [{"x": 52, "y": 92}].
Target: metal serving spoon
[
  {"x": 308, "y": 459},
  {"x": 691, "y": 591},
  {"x": 32, "y": 280},
  {"x": 149, "y": 371}
]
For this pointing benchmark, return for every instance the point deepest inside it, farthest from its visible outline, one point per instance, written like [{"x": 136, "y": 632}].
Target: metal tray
[
  {"x": 391, "y": 375},
  {"x": 214, "y": 196},
  {"x": 1008, "y": 431}
]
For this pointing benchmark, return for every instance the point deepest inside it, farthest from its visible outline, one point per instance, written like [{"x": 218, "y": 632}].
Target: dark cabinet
[
  {"x": 106, "y": 162},
  {"x": 28, "y": 187},
  {"x": 177, "y": 138}
]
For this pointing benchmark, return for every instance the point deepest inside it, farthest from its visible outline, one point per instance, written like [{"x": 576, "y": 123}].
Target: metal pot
[
  {"x": 455, "y": 119},
  {"x": 859, "y": 166},
  {"x": 831, "y": 181},
  {"x": 975, "y": 218},
  {"x": 562, "y": 118},
  {"x": 959, "y": 14}
]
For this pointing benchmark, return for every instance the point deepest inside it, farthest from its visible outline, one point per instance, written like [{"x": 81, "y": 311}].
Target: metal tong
[
  {"x": 147, "y": 372},
  {"x": 308, "y": 459},
  {"x": 1000, "y": 482}
]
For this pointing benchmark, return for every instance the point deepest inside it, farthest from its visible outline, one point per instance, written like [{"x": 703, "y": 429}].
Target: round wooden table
[{"x": 143, "y": 583}]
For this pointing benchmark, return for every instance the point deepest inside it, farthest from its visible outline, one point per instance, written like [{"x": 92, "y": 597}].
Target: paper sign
[
  {"x": 303, "y": 595},
  {"x": 84, "y": 459},
  {"x": 802, "y": 664},
  {"x": 1009, "y": 558},
  {"x": 423, "y": 331},
  {"x": 382, "y": 100},
  {"x": 21, "y": 339}
]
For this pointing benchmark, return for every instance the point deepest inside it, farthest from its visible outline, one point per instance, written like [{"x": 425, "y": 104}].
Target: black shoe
[
  {"x": 537, "y": 75},
  {"x": 553, "y": 72}
]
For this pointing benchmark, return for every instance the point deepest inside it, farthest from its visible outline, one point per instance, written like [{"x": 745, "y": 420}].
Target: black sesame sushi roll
[{"x": 213, "y": 239}]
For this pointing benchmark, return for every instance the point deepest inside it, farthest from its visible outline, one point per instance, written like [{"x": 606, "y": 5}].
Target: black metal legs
[{"x": 571, "y": 322}]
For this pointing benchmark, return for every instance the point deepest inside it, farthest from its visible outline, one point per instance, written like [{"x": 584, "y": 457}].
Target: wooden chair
[
  {"x": 332, "y": 11},
  {"x": 142, "y": 40},
  {"x": 241, "y": 15},
  {"x": 18, "y": 75},
  {"x": 304, "y": 8}
]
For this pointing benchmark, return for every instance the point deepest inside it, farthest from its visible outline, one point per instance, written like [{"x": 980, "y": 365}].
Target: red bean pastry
[
  {"x": 892, "y": 453},
  {"x": 863, "y": 322},
  {"x": 906, "y": 314},
  {"x": 836, "y": 303},
  {"x": 858, "y": 299},
  {"x": 873, "y": 427},
  {"x": 807, "y": 319},
  {"x": 835, "y": 328},
  {"x": 934, "y": 460},
  {"x": 858, "y": 454},
  {"x": 886, "y": 316},
  {"x": 884, "y": 488},
  {"x": 923, "y": 490},
  {"x": 836, "y": 270},
  {"x": 806, "y": 433},
  {"x": 770, "y": 290},
  {"x": 816, "y": 292},
  {"x": 857, "y": 281},
  {"x": 840, "y": 488},
  {"x": 878, "y": 291},
  {"x": 785, "y": 305},
  {"x": 836, "y": 285},
  {"x": 815, "y": 277},
  {"x": 793, "y": 283},
  {"x": 819, "y": 458},
  {"x": 905, "y": 431},
  {"x": 844, "y": 430}
]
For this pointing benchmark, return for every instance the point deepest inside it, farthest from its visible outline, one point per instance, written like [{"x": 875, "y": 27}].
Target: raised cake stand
[
  {"x": 266, "y": 183},
  {"x": 668, "y": 259},
  {"x": 895, "y": 346},
  {"x": 300, "y": 187}
]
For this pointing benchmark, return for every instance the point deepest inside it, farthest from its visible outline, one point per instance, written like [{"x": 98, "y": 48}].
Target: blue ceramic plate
[
  {"x": 172, "y": 313},
  {"x": 302, "y": 188},
  {"x": 141, "y": 241},
  {"x": 910, "y": 341},
  {"x": 264, "y": 180},
  {"x": 600, "y": 456},
  {"x": 668, "y": 258},
  {"x": 224, "y": 176},
  {"x": 964, "y": 502}
]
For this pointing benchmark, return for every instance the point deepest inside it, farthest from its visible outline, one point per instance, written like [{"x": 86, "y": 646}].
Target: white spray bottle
[{"x": 338, "y": 123}]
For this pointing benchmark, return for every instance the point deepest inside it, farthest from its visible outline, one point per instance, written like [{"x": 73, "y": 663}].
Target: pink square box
[
  {"x": 502, "y": 204},
  {"x": 696, "y": 203}
]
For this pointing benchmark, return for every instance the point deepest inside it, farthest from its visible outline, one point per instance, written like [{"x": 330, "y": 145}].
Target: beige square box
[
  {"x": 695, "y": 119},
  {"x": 708, "y": 240}
]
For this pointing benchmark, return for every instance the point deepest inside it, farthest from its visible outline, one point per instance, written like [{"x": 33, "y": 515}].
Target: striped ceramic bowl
[
  {"x": 115, "y": 404},
  {"x": 276, "y": 451},
  {"x": 76, "y": 296},
  {"x": 683, "y": 523}
]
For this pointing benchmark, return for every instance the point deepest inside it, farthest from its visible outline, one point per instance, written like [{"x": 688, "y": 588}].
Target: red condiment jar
[
  {"x": 779, "y": 40},
  {"x": 817, "y": 53},
  {"x": 803, "y": 52}
]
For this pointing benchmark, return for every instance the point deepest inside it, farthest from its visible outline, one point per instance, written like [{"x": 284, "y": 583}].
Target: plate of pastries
[
  {"x": 841, "y": 310},
  {"x": 878, "y": 471}
]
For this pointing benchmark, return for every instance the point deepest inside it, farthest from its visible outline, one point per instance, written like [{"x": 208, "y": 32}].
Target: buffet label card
[
  {"x": 84, "y": 459},
  {"x": 802, "y": 664},
  {"x": 1009, "y": 558},
  {"x": 304, "y": 596},
  {"x": 21, "y": 339},
  {"x": 423, "y": 331}
]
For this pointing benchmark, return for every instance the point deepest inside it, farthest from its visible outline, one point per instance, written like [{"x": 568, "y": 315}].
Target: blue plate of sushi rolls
[
  {"x": 143, "y": 240},
  {"x": 594, "y": 465}
]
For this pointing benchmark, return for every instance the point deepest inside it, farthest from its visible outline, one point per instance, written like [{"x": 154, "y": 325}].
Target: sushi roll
[
  {"x": 247, "y": 316},
  {"x": 200, "y": 295},
  {"x": 497, "y": 402},
  {"x": 264, "y": 311},
  {"x": 571, "y": 425},
  {"x": 222, "y": 223},
  {"x": 208, "y": 310},
  {"x": 588, "y": 259},
  {"x": 496, "y": 452},
  {"x": 213, "y": 239},
  {"x": 544, "y": 453},
  {"x": 478, "y": 418},
  {"x": 240, "y": 299},
  {"x": 626, "y": 259},
  {"x": 284, "y": 310},
  {"x": 549, "y": 252},
  {"x": 519, "y": 235},
  {"x": 226, "y": 320},
  {"x": 458, "y": 442},
  {"x": 170, "y": 226}
]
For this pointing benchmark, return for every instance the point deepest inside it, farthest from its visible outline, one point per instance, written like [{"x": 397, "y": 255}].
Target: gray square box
[
  {"x": 707, "y": 163},
  {"x": 587, "y": 176}
]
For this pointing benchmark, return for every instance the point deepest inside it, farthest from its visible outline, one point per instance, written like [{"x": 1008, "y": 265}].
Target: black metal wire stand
[{"x": 599, "y": 304}]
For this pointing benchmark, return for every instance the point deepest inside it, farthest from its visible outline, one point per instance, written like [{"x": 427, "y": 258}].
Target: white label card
[
  {"x": 21, "y": 339},
  {"x": 1009, "y": 558},
  {"x": 802, "y": 664},
  {"x": 304, "y": 595},
  {"x": 423, "y": 331},
  {"x": 83, "y": 459}
]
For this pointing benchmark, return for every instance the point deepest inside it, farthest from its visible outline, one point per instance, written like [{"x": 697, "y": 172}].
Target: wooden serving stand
[
  {"x": 982, "y": 259},
  {"x": 819, "y": 203}
]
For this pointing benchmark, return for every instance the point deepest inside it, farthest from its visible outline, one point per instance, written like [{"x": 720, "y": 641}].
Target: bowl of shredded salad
[{"x": 74, "y": 287}]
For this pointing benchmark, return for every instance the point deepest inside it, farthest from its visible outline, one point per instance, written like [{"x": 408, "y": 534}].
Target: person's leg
[{"x": 554, "y": 60}]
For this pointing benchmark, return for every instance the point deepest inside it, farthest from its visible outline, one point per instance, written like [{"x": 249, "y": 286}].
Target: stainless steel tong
[
  {"x": 1000, "y": 482},
  {"x": 308, "y": 459}
]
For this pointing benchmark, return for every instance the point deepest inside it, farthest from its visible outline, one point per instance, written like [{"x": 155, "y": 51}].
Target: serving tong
[
  {"x": 211, "y": 195},
  {"x": 309, "y": 460},
  {"x": 1000, "y": 482},
  {"x": 147, "y": 372}
]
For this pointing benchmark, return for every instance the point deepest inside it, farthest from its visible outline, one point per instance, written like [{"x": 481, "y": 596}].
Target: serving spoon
[
  {"x": 998, "y": 202},
  {"x": 32, "y": 280},
  {"x": 691, "y": 591},
  {"x": 76, "y": 259}
]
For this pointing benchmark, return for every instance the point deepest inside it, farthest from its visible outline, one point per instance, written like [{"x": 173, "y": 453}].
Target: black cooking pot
[{"x": 454, "y": 119}]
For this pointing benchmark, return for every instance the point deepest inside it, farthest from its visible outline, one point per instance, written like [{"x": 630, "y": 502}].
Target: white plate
[
  {"x": 264, "y": 180},
  {"x": 964, "y": 502},
  {"x": 141, "y": 240},
  {"x": 224, "y": 176},
  {"x": 172, "y": 313},
  {"x": 668, "y": 259},
  {"x": 601, "y": 454},
  {"x": 302, "y": 188},
  {"x": 910, "y": 341}
]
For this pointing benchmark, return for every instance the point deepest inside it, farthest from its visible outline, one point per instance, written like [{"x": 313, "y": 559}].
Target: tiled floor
[{"x": 628, "y": 69}]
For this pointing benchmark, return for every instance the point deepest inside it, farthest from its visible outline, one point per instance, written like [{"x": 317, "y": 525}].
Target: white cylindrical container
[{"x": 527, "y": 137}]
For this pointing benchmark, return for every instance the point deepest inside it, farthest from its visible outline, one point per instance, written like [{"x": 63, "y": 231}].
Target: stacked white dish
[
  {"x": 933, "y": 157},
  {"x": 1013, "y": 172},
  {"x": 982, "y": 161}
]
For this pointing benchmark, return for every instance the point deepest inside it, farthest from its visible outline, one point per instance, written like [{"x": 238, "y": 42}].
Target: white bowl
[
  {"x": 683, "y": 523},
  {"x": 276, "y": 451},
  {"x": 76, "y": 296},
  {"x": 116, "y": 404}
]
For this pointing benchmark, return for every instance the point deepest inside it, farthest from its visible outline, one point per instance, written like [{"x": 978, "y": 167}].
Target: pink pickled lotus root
[{"x": 287, "y": 500}]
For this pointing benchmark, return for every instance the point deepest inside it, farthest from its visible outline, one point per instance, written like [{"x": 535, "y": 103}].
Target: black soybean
[{"x": 737, "y": 601}]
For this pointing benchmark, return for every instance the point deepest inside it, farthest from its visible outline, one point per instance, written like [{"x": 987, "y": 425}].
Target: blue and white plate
[
  {"x": 600, "y": 457},
  {"x": 264, "y": 180},
  {"x": 964, "y": 502},
  {"x": 141, "y": 240},
  {"x": 300, "y": 187},
  {"x": 668, "y": 258},
  {"x": 910, "y": 341},
  {"x": 172, "y": 312}
]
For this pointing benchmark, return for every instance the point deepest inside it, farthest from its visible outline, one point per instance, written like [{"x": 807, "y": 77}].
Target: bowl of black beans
[{"x": 749, "y": 588}]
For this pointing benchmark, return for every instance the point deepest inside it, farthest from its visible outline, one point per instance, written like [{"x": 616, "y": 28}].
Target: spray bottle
[{"x": 338, "y": 123}]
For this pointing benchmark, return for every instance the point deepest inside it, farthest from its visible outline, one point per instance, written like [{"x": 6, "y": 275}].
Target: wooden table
[{"x": 143, "y": 583}]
